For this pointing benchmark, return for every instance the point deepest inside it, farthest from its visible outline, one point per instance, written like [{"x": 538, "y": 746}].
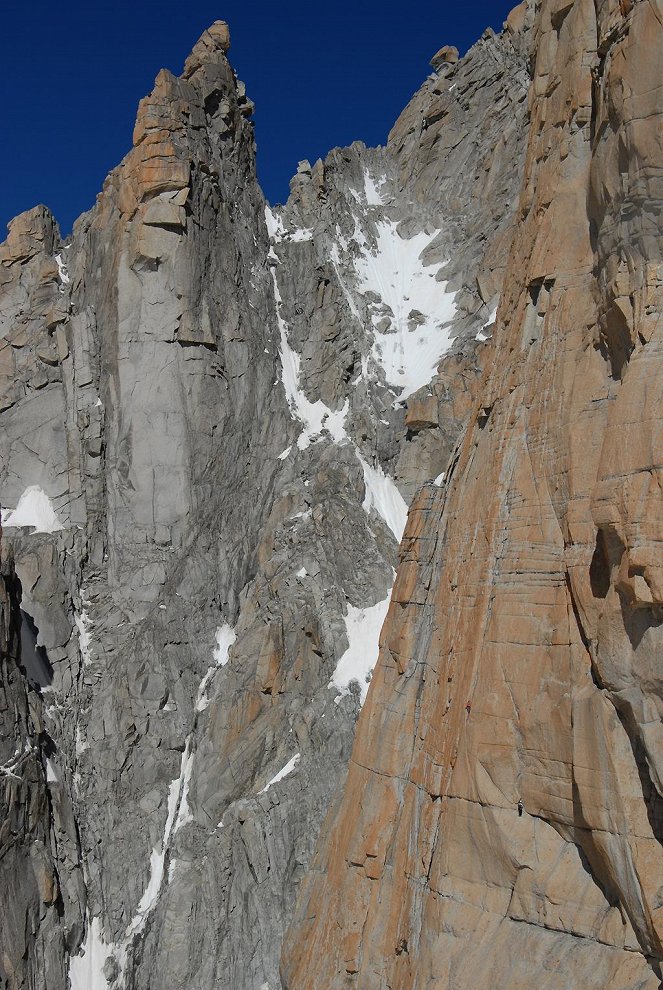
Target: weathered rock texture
[
  {"x": 230, "y": 408},
  {"x": 519, "y": 659}
]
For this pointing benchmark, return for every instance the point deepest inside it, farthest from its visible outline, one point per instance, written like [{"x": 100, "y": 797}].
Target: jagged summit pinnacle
[{"x": 215, "y": 39}]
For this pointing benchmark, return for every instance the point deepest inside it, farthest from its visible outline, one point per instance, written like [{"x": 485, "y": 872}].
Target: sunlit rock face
[
  {"x": 386, "y": 451},
  {"x": 501, "y": 820}
]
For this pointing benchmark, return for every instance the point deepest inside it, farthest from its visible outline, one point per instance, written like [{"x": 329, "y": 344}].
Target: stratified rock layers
[{"x": 520, "y": 657}]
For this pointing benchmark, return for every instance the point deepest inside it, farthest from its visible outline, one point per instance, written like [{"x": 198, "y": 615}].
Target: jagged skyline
[{"x": 69, "y": 123}]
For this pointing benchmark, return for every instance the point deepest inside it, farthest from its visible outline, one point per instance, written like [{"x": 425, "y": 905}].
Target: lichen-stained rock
[{"x": 500, "y": 824}]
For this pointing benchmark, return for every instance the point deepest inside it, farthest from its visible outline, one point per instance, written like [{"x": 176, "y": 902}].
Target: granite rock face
[
  {"x": 501, "y": 820},
  {"x": 214, "y": 416}
]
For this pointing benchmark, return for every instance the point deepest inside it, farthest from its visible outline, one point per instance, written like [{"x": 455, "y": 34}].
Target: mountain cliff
[{"x": 402, "y": 431}]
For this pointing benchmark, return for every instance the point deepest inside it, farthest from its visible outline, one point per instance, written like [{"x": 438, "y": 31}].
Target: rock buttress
[{"x": 519, "y": 658}]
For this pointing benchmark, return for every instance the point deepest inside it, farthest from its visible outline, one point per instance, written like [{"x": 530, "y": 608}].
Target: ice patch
[
  {"x": 288, "y": 768},
  {"x": 383, "y": 496},
  {"x": 419, "y": 308},
  {"x": 34, "y": 509},
  {"x": 363, "y": 626}
]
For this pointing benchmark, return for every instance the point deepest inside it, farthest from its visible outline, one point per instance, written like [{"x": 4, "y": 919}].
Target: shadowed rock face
[
  {"x": 218, "y": 415},
  {"x": 34, "y": 657}
]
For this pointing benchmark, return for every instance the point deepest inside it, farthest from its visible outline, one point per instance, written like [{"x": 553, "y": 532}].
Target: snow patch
[
  {"x": 51, "y": 776},
  {"x": 81, "y": 743},
  {"x": 184, "y": 815},
  {"x": 301, "y": 573},
  {"x": 372, "y": 191},
  {"x": 84, "y": 636},
  {"x": 288, "y": 768},
  {"x": 381, "y": 491},
  {"x": 440, "y": 478},
  {"x": 86, "y": 971},
  {"x": 158, "y": 855},
  {"x": 363, "y": 626},
  {"x": 34, "y": 509},
  {"x": 225, "y": 637},
  {"x": 299, "y": 234},
  {"x": 63, "y": 274},
  {"x": 275, "y": 227},
  {"x": 418, "y": 307},
  {"x": 482, "y": 335},
  {"x": 383, "y": 496},
  {"x": 285, "y": 453},
  {"x": 314, "y": 416}
]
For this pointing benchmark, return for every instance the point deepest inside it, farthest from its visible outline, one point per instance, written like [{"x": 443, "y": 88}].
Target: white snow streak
[
  {"x": 363, "y": 626},
  {"x": 158, "y": 854},
  {"x": 184, "y": 815},
  {"x": 288, "y": 768},
  {"x": 34, "y": 509},
  {"x": 284, "y": 454},
  {"x": 9, "y": 768}
]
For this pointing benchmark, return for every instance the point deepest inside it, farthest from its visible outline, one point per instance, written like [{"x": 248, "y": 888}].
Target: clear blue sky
[{"x": 321, "y": 74}]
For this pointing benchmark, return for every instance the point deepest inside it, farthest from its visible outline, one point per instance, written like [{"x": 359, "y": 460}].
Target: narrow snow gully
[
  {"x": 382, "y": 495},
  {"x": 98, "y": 956}
]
